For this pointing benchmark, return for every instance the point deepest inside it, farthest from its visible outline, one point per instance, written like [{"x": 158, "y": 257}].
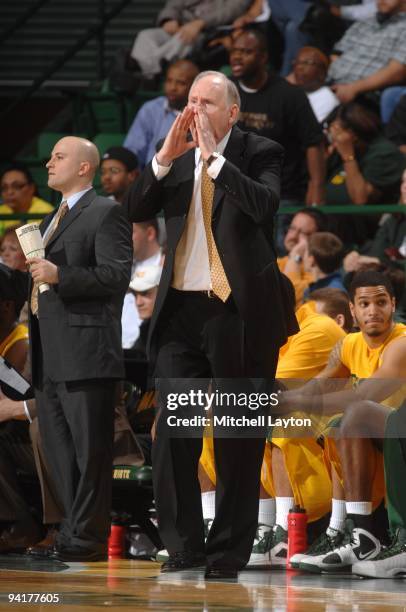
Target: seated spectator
[
  {"x": 118, "y": 169},
  {"x": 180, "y": 26},
  {"x": 322, "y": 259},
  {"x": 13, "y": 335},
  {"x": 305, "y": 223},
  {"x": 144, "y": 286},
  {"x": 147, "y": 252},
  {"x": 154, "y": 119},
  {"x": 372, "y": 53},
  {"x": 389, "y": 244},
  {"x": 273, "y": 108},
  {"x": 309, "y": 72},
  {"x": 19, "y": 194},
  {"x": 363, "y": 168},
  {"x": 396, "y": 128},
  {"x": 11, "y": 253},
  {"x": 335, "y": 304},
  {"x": 376, "y": 352}
]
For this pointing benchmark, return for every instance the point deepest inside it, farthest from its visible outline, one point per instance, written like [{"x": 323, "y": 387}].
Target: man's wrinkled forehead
[{"x": 207, "y": 88}]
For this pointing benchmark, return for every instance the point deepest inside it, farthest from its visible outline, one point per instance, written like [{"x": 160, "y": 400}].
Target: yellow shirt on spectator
[
  {"x": 20, "y": 332},
  {"x": 299, "y": 281},
  {"x": 306, "y": 353},
  {"x": 37, "y": 206}
]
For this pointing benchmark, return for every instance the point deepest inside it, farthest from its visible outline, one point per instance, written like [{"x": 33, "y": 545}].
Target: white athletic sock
[
  {"x": 283, "y": 505},
  {"x": 267, "y": 512},
  {"x": 359, "y": 507},
  {"x": 209, "y": 504},
  {"x": 338, "y": 515}
]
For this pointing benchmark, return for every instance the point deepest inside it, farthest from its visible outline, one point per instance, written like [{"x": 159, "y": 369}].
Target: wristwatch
[
  {"x": 296, "y": 258},
  {"x": 212, "y": 157}
]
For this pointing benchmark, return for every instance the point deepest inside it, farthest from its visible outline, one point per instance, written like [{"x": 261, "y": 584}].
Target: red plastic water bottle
[
  {"x": 116, "y": 548},
  {"x": 297, "y": 532}
]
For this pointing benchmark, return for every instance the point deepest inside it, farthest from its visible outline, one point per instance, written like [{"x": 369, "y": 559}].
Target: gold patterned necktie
[
  {"x": 61, "y": 212},
  {"x": 218, "y": 277}
]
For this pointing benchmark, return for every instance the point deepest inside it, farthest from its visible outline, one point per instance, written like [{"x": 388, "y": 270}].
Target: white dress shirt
[{"x": 192, "y": 269}]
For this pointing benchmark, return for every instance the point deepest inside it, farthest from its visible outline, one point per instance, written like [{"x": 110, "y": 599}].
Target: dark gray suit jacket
[
  {"x": 246, "y": 199},
  {"x": 77, "y": 335}
]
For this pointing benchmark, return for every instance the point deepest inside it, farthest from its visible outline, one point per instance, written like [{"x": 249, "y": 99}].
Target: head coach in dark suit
[
  {"x": 75, "y": 334},
  {"x": 220, "y": 312}
]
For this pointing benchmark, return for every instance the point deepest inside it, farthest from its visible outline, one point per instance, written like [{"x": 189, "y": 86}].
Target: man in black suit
[
  {"x": 76, "y": 344},
  {"x": 220, "y": 310}
]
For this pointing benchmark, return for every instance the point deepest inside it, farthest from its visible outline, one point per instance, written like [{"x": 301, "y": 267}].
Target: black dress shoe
[
  {"x": 70, "y": 554},
  {"x": 41, "y": 552},
  {"x": 220, "y": 573},
  {"x": 185, "y": 560},
  {"x": 46, "y": 547},
  {"x": 20, "y": 535}
]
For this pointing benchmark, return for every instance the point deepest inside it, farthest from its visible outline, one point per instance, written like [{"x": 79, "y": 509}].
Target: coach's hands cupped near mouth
[
  {"x": 204, "y": 132},
  {"x": 177, "y": 143}
]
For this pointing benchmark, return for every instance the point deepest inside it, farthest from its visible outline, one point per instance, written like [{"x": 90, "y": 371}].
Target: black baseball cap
[{"x": 123, "y": 155}]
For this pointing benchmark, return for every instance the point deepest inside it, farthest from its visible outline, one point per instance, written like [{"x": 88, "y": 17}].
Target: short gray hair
[{"x": 233, "y": 96}]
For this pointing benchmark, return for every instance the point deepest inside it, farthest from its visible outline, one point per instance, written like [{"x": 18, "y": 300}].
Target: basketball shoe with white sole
[
  {"x": 325, "y": 543},
  {"x": 270, "y": 547},
  {"x": 357, "y": 545},
  {"x": 390, "y": 563}
]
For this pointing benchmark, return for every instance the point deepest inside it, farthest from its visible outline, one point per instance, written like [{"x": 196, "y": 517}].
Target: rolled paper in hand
[{"x": 30, "y": 239}]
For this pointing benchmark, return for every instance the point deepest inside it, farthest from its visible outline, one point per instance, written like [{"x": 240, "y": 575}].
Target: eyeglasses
[{"x": 13, "y": 187}]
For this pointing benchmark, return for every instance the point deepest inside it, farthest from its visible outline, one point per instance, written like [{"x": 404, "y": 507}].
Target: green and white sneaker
[
  {"x": 162, "y": 555},
  {"x": 325, "y": 543},
  {"x": 270, "y": 547},
  {"x": 357, "y": 545},
  {"x": 390, "y": 563}
]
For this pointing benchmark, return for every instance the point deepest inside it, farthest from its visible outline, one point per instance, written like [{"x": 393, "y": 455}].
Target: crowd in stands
[{"x": 339, "y": 111}]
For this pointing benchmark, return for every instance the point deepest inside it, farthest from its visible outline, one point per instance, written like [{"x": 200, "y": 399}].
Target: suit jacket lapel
[
  {"x": 234, "y": 153},
  {"x": 84, "y": 201}
]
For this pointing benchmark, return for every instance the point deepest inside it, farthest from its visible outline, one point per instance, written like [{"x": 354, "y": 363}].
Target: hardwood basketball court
[{"x": 137, "y": 585}]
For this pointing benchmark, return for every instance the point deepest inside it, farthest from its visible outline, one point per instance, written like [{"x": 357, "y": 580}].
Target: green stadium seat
[
  {"x": 108, "y": 139},
  {"x": 46, "y": 142}
]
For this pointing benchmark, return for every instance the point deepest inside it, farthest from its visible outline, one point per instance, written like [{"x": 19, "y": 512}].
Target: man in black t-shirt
[{"x": 272, "y": 107}]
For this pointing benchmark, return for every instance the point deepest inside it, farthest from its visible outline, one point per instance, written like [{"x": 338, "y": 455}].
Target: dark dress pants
[
  {"x": 198, "y": 338},
  {"x": 15, "y": 455},
  {"x": 76, "y": 427}
]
